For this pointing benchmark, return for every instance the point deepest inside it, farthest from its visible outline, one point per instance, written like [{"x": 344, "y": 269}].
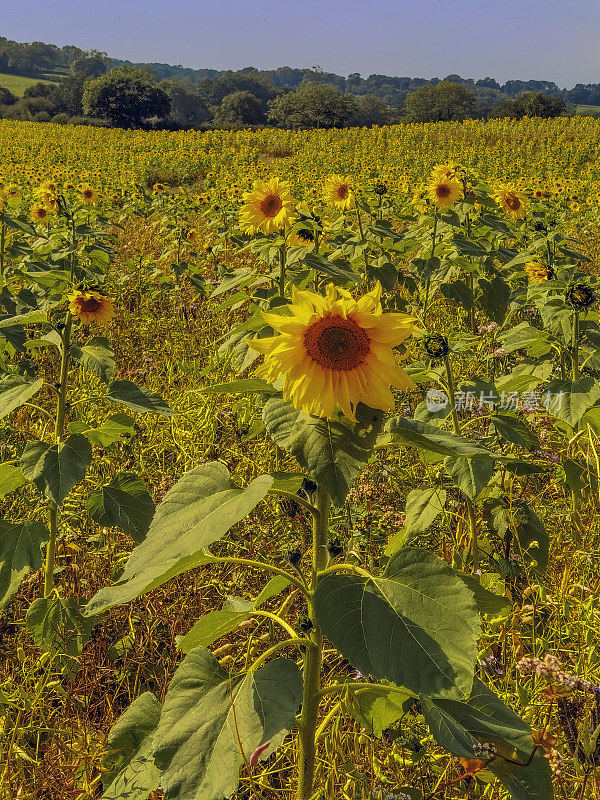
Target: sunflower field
[{"x": 300, "y": 463}]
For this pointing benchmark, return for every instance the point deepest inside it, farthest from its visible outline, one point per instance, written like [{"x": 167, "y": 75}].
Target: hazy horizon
[{"x": 530, "y": 39}]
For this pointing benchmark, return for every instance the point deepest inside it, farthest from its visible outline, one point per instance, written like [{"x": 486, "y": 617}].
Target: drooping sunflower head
[
  {"x": 336, "y": 351},
  {"x": 538, "y": 273},
  {"x": 303, "y": 237},
  {"x": 511, "y": 201},
  {"x": 91, "y": 306},
  {"x": 445, "y": 171},
  {"x": 444, "y": 191},
  {"x": 338, "y": 192},
  {"x": 269, "y": 207},
  {"x": 87, "y": 194}
]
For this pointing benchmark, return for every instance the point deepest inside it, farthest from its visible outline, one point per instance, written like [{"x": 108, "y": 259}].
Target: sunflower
[
  {"x": 512, "y": 201},
  {"x": 268, "y": 207},
  {"x": 40, "y": 214},
  {"x": 336, "y": 350},
  {"x": 444, "y": 192},
  {"x": 91, "y": 306},
  {"x": 538, "y": 272},
  {"x": 303, "y": 237},
  {"x": 87, "y": 194},
  {"x": 47, "y": 191},
  {"x": 192, "y": 236},
  {"x": 338, "y": 193}
]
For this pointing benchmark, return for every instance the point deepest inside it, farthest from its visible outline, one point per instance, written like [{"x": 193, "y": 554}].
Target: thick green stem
[
  {"x": 428, "y": 286},
  {"x": 456, "y": 425},
  {"x": 312, "y": 660},
  {"x": 61, "y": 411},
  {"x": 362, "y": 236},
  {"x": 2, "y": 242},
  {"x": 472, "y": 321},
  {"x": 282, "y": 272},
  {"x": 575, "y": 346}
]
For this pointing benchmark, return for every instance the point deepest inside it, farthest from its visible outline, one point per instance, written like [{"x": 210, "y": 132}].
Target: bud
[
  {"x": 436, "y": 346},
  {"x": 580, "y": 296}
]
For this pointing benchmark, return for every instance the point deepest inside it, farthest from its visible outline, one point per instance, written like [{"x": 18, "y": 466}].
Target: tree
[
  {"x": 531, "y": 104},
  {"x": 187, "y": 107},
  {"x": 91, "y": 65},
  {"x": 7, "y": 98},
  {"x": 239, "y": 108},
  {"x": 312, "y": 106},
  {"x": 440, "y": 103},
  {"x": 68, "y": 94},
  {"x": 371, "y": 110},
  {"x": 40, "y": 90},
  {"x": 126, "y": 97}
]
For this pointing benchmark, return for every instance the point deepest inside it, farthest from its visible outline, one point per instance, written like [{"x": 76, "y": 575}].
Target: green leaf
[
  {"x": 245, "y": 386},
  {"x": 20, "y": 554},
  {"x": 138, "y": 398},
  {"x": 214, "y": 625},
  {"x": 274, "y": 587},
  {"x": 458, "y": 292},
  {"x": 31, "y": 317},
  {"x": 485, "y": 718},
  {"x": 98, "y": 357},
  {"x": 11, "y": 478},
  {"x": 416, "y": 626},
  {"x": 471, "y": 475},
  {"x": 428, "y": 437},
  {"x": 468, "y": 246},
  {"x": 531, "y": 535},
  {"x": 55, "y": 469},
  {"x": 423, "y": 506},
  {"x": 487, "y": 602},
  {"x": 376, "y": 711},
  {"x": 515, "y": 430},
  {"x": 494, "y": 298},
  {"x": 57, "y": 625},
  {"x": 334, "y": 269},
  {"x": 16, "y": 390},
  {"x": 129, "y": 772},
  {"x": 569, "y": 400},
  {"x": 116, "y": 428},
  {"x": 212, "y": 722},
  {"x": 287, "y": 481},
  {"x": 334, "y": 452},
  {"x": 572, "y": 474},
  {"x": 202, "y": 506},
  {"x": 124, "y": 503}
]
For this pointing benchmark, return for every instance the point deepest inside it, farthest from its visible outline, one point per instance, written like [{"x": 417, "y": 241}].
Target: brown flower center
[
  {"x": 512, "y": 201},
  {"x": 41, "y": 213},
  {"x": 336, "y": 343},
  {"x": 90, "y": 305},
  {"x": 442, "y": 190},
  {"x": 342, "y": 191},
  {"x": 88, "y": 193},
  {"x": 271, "y": 205}
]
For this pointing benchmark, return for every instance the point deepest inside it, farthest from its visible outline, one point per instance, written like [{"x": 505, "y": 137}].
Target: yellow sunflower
[
  {"x": 338, "y": 193},
  {"x": 336, "y": 350},
  {"x": 512, "y": 201},
  {"x": 443, "y": 191},
  {"x": 87, "y": 194},
  {"x": 91, "y": 306},
  {"x": 537, "y": 272},
  {"x": 269, "y": 207},
  {"x": 303, "y": 237},
  {"x": 192, "y": 236},
  {"x": 40, "y": 214},
  {"x": 47, "y": 191}
]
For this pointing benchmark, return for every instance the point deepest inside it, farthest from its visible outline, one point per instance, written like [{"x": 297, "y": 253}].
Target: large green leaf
[
  {"x": 333, "y": 451},
  {"x": 123, "y": 503},
  {"x": 485, "y": 718},
  {"x": 55, "y": 469},
  {"x": 129, "y": 769},
  {"x": 212, "y": 722},
  {"x": 57, "y": 626},
  {"x": 428, "y": 437},
  {"x": 515, "y": 430},
  {"x": 422, "y": 508},
  {"x": 532, "y": 536},
  {"x": 569, "y": 400},
  {"x": 16, "y": 390},
  {"x": 494, "y": 298},
  {"x": 196, "y": 512},
  {"x": 215, "y": 624},
  {"x": 416, "y": 626},
  {"x": 20, "y": 554},
  {"x": 138, "y": 398},
  {"x": 471, "y": 475},
  {"x": 116, "y": 428},
  {"x": 11, "y": 478},
  {"x": 97, "y": 356}
]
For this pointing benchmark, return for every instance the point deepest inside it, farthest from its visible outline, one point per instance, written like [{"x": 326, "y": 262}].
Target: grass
[
  {"x": 588, "y": 111},
  {"x": 18, "y": 83}
]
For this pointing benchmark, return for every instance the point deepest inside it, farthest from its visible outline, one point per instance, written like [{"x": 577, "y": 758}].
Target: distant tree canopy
[
  {"x": 91, "y": 65},
  {"x": 441, "y": 103},
  {"x": 312, "y": 106},
  {"x": 126, "y": 97},
  {"x": 239, "y": 108},
  {"x": 531, "y": 104}
]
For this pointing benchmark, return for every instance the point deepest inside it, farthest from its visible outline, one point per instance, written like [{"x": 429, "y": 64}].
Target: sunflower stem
[
  {"x": 312, "y": 658},
  {"x": 61, "y": 410},
  {"x": 362, "y": 236},
  {"x": 2, "y": 242},
  {"x": 282, "y": 272},
  {"x": 575, "y": 346},
  {"x": 428, "y": 286},
  {"x": 456, "y": 425}
]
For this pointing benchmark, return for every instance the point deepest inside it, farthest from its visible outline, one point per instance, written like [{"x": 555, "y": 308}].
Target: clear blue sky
[{"x": 545, "y": 39}]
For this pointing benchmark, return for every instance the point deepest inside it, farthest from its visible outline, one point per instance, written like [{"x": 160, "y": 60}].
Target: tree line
[{"x": 90, "y": 88}]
